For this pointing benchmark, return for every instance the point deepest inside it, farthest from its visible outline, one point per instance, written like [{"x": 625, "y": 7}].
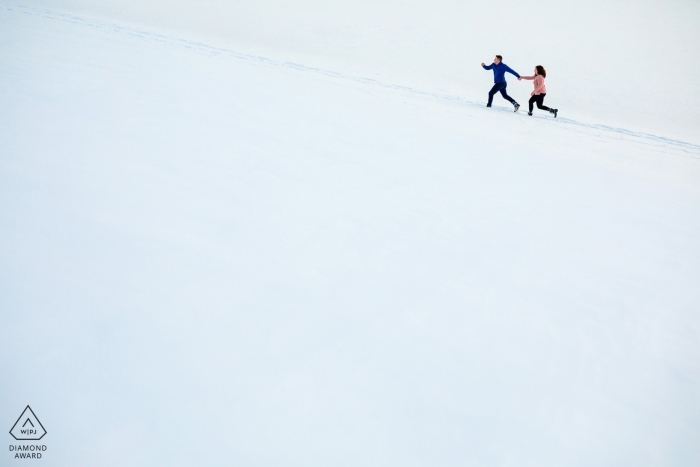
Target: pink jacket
[{"x": 539, "y": 84}]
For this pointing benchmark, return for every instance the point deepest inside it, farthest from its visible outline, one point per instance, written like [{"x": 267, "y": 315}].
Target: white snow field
[{"x": 214, "y": 256}]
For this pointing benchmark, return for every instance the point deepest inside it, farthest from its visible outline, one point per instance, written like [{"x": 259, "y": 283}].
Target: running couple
[{"x": 499, "y": 78}]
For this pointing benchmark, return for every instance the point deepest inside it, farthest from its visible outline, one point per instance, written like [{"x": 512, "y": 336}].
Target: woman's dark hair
[{"x": 541, "y": 71}]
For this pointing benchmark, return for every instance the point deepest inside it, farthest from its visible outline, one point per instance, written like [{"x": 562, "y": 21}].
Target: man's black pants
[
  {"x": 500, "y": 87},
  {"x": 539, "y": 98}
]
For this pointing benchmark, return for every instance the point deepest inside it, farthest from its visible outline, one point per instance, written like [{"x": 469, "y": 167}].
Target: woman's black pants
[{"x": 539, "y": 98}]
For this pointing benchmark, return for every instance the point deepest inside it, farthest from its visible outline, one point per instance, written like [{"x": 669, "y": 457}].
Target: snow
[
  {"x": 623, "y": 63},
  {"x": 213, "y": 255}
]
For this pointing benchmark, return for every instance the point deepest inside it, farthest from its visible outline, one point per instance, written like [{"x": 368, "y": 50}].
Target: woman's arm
[{"x": 530, "y": 78}]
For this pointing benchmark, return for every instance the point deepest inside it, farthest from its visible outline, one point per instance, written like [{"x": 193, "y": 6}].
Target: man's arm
[
  {"x": 511, "y": 71},
  {"x": 487, "y": 67}
]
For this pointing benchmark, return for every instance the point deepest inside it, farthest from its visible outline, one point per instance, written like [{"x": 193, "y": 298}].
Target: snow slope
[
  {"x": 616, "y": 62},
  {"x": 213, "y": 257}
]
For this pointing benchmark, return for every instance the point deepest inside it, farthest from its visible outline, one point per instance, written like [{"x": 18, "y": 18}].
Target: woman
[{"x": 540, "y": 90}]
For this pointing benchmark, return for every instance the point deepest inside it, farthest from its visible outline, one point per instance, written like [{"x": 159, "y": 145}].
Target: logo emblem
[{"x": 28, "y": 427}]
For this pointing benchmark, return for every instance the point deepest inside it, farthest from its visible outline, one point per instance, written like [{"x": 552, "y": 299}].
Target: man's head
[{"x": 498, "y": 59}]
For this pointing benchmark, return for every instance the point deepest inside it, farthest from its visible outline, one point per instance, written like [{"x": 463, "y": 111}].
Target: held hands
[
  {"x": 482, "y": 63},
  {"x": 520, "y": 78}
]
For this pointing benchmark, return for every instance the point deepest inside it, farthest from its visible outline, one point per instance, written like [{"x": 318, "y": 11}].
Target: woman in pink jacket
[{"x": 540, "y": 90}]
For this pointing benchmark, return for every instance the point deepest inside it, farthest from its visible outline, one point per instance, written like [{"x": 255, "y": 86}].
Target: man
[{"x": 499, "y": 78}]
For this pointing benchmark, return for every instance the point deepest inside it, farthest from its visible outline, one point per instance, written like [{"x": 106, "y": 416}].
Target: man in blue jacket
[{"x": 499, "y": 78}]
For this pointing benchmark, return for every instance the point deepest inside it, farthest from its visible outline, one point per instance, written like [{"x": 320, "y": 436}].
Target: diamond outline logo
[{"x": 31, "y": 423}]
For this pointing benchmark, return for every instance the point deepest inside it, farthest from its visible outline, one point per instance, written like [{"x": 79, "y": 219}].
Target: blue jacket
[{"x": 499, "y": 72}]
